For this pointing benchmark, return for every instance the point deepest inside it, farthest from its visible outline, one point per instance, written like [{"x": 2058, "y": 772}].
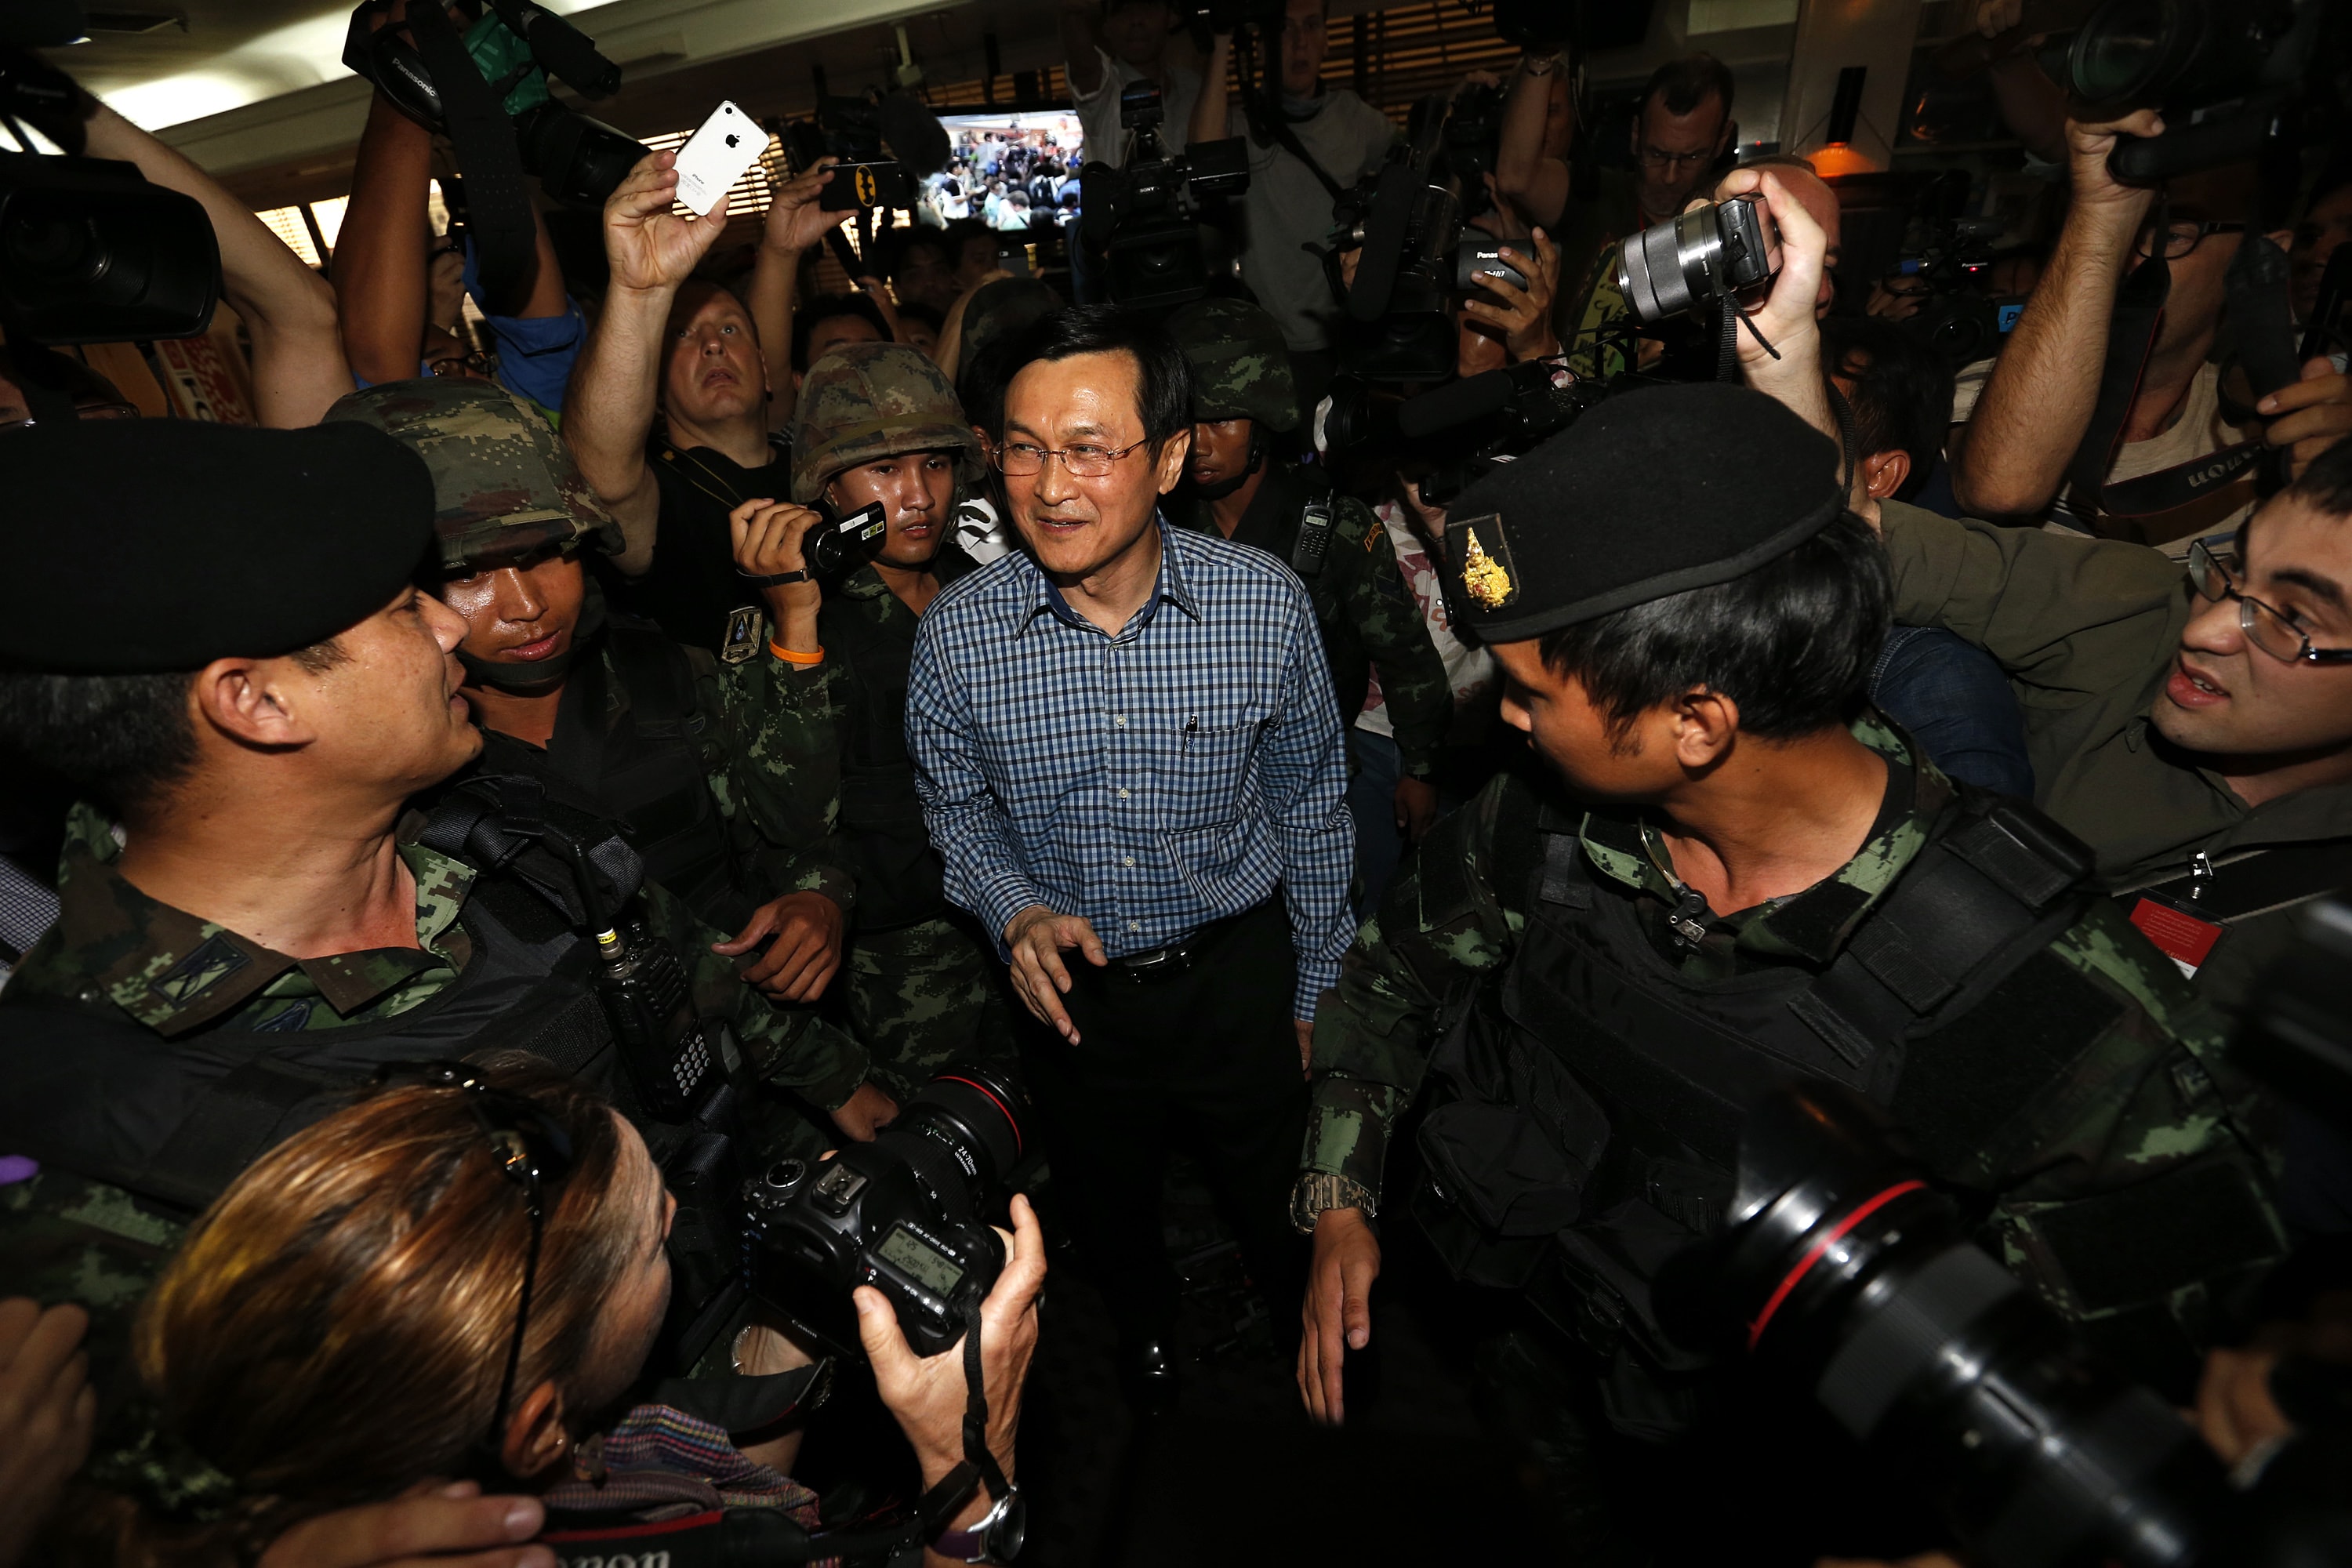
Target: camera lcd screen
[{"x": 916, "y": 1258}]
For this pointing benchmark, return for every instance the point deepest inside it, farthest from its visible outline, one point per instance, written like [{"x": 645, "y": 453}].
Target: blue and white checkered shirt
[{"x": 1151, "y": 782}]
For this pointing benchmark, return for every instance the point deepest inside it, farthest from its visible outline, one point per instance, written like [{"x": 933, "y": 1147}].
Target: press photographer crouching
[
  {"x": 473, "y": 1256},
  {"x": 1732, "y": 870}
]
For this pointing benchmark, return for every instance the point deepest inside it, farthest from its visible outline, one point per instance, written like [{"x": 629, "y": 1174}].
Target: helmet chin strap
[
  {"x": 542, "y": 674},
  {"x": 1226, "y": 487}
]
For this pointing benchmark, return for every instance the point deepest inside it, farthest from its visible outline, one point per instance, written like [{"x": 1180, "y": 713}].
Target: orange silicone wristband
[{"x": 791, "y": 656}]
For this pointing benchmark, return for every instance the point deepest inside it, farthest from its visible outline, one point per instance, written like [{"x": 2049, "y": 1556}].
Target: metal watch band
[{"x": 972, "y": 1544}]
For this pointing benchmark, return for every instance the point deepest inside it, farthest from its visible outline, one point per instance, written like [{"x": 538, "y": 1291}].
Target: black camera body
[
  {"x": 1706, "y": 253},
  {"x": 1146, "y": 215},
  {"x": 845, "y": 543},
  {"x": 91, "y": 252},
  {"x": 2223, "y": 72},
  {"x": 855, "y": 187},
  {"x": 906, "y": 1213},
  {"x": 851, "y": 131},
  {"x": 1961, "y": 318},
  {"x": 1474, "y": 140},
  {"x": 1407, "y": 225},
  {"x": 577, "y": 160}
]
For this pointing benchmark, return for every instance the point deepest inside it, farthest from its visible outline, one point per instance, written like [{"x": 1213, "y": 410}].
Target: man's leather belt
[{"x": 1176, "y": 958}]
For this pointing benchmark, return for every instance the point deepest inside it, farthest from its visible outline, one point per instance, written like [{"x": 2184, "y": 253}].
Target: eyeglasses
[
  {"x": 1019, "y": 459},
  {"x": 533, "y": 1151},
  {"x": 2265, "y": 628},
  {"x": 2182, "y": 236},
  {"x": 1659, "y": 158},
  {"x": 475, "y": 363}
]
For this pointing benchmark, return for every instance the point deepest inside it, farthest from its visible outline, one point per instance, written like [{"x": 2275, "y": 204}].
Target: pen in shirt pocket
[{"x": 1191, "y": 728}]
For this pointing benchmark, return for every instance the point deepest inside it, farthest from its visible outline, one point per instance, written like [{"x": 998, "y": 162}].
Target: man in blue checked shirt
[{"x": 1127, "y": 747}]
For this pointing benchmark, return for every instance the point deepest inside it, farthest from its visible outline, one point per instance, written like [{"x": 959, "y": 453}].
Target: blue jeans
[
  {"x": 1954, "y": 700},
  {"x": 1372, "y": 801}
]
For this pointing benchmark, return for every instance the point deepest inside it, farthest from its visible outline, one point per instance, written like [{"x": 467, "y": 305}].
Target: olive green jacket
[{"x": 2087, "y": 629}]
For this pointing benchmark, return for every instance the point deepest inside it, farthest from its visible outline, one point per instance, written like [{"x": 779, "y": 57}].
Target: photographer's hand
[
  {"x": 451, "y": 1526},
  {"x": 769, "y": 537},
  {"x": 2097, "y": 196},
  {"x": 1523, "y": 320},
  {"x": 1338, "y": 1309},
  {"x": 650, "y": 248},
  {"x": 2309, "y": 415},
  {"x": 47, "y": 1411},
  {"x": 794, "y": 220},
  {"x": 1038, "y": 937},
  {"x": 1786, "y": 318},
  {"x": 927, "y": 1394}
]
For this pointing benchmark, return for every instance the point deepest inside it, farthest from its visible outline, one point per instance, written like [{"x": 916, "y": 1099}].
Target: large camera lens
[
  {"x": 89, "y": 253},
  {"x": 1706, "y": 253},
  {"x": 2131, "y": 49},
  {"x": 976, "y": 1117},
  {"x": 1845, "y": 1274}
]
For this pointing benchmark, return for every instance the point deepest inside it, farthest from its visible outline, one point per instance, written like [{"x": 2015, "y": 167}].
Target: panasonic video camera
[
  {"x": 1145, "y": 216},
  {"x": 907, "y": 1213}
]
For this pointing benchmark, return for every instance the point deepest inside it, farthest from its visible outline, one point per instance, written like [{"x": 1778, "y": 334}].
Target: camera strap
[{"x": 505, "y": 240}]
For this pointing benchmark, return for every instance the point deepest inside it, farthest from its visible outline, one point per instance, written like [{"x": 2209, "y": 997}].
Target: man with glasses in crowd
[
  {"x": 2035, "y": 407},
  {"x": 1132, "y": 766},
  {"x": 1682, "y": 129}
]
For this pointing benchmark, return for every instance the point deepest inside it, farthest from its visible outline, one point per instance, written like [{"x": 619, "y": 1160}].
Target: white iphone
[{"x": 716, "y": 156}]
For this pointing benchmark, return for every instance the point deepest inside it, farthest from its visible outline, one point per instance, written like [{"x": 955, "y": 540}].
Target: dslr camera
[
  {"x": 1146, "y": 215},
  {"x": 2224, "y": 73},
  {"x": 907, "y": 1213}
]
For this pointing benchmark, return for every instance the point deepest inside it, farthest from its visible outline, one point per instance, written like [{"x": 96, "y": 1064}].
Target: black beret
[
  {"x": 1648, "y": 494},
  {"x": 147, "y": 545}
]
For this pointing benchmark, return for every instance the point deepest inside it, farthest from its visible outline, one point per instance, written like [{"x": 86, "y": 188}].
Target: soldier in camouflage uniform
[
  {"x": 148, "y": 1047},
  {"x": 1588, "y": 977},
  {"x": 719, "y": 771},
  {"x": 1242, "y": 397},
  {"x": 878, "y": 422}
]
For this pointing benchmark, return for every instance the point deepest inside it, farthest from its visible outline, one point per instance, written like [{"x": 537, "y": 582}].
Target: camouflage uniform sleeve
[
  {"x": 786, "y": 1044},
  {"x": 1443, "y": 924},
  {"x": 2147, "y": 1169},
  {"x": 778, "y": 774},
  {"x": 63, "y": 1238},
  {"x": 1412, "y": 677}
]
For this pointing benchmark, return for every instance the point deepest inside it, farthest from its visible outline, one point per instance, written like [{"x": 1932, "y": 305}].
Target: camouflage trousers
[{"x": 922, "y": 995}]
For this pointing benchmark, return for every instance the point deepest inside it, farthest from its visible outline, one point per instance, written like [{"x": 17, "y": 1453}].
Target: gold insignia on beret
[{"x": 1483, "y": 576}]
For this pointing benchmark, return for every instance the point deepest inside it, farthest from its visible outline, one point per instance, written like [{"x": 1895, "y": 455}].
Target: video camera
[
  {"x": 852, "y": 129},
  {"x": 89, "y": 251},
  {"x": 488, "y": 92},
  {"x": 1961, "y": 318},
  {"x": 1844, "y": 1274},
  {"x": 2223, "y": 73},
  {"x": 907, "y": 1213},
  {"x": 1146, "y": 215}
]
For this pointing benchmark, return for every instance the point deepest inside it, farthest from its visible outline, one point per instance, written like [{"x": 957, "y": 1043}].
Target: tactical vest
[
  {"x": 174, "y": 1121},
  {"x": 1592, "y": 1098},
  {"x": 900, "y": 879},
  {"x": 645, "y": 774},
  {"x": 1308, "y": 539}
]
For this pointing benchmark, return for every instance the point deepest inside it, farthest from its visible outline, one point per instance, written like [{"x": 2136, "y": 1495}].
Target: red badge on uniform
[{"x": 2178, "y": 931}]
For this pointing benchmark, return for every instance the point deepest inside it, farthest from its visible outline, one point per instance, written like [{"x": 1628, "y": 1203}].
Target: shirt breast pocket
[{"x": 1209, "y": 781}]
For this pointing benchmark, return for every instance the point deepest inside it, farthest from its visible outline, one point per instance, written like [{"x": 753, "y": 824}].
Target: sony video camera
[
  {"x": 2224, "y": 74},
  {"x": 907, "y": 1213},
  {"x": 846, "y": 542},
  {"x": 89, "y": 252},
  {"x": 1145, "y": 216}
]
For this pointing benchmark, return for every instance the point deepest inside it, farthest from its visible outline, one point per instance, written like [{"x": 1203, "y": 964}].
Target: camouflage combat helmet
[
  {"x": 504, "y": 485},
  {"x": 1240, "y": 367},
  {"x": 863, "y": 401},
  {"x": 1000, "y": 312}
]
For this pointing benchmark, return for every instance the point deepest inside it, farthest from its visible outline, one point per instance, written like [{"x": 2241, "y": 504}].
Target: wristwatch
[
  {"x": 995, "y": 1537},
  {"x": 773, "y": 579}
]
